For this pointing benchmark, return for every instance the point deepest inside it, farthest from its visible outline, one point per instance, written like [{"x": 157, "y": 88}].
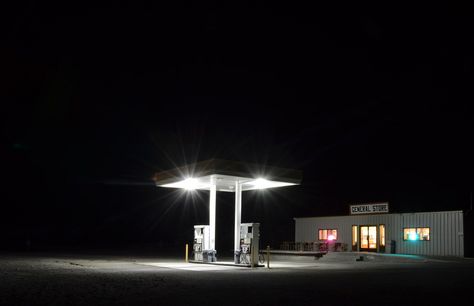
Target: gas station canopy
[
  {"x": 225, "y": 174},
  {"x": 230, "y": 176}
]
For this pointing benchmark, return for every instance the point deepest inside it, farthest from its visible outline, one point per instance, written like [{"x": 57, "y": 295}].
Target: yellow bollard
[
  {"x": 186, "y": 254},
  {"x": 268, "y": 256}
]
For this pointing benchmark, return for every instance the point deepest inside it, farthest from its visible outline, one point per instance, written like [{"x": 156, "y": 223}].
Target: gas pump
[
  {"x": 249, "y": 243},
  {"x": 201, "y": 245},
  {"x": 201, "y": 241}
]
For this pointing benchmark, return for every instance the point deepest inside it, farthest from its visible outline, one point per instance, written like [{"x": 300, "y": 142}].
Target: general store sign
[{"x": 375, "y": 208}]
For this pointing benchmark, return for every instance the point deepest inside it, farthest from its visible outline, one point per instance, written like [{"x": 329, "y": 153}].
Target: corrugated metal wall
[{"x": 446, "y": 230}]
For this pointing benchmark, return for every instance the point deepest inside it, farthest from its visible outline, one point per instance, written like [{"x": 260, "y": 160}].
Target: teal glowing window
[{"x": 416, "y": 233}]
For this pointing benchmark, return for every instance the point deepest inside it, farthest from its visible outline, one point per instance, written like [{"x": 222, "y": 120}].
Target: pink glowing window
[{"x": 327, "y": 234}]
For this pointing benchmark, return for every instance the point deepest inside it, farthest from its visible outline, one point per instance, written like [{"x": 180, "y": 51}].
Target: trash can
[{"x": 391, "y": 247}]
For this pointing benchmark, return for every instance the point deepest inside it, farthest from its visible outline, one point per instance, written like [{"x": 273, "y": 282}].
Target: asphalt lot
[{"x": 53, "y": 279}]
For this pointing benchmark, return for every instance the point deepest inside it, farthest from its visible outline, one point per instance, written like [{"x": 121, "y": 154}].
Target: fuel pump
[
  {"x": 201, "y": 241},
  {"x": 249, "y": 243}
]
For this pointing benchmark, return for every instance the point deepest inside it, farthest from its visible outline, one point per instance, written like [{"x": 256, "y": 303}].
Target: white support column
[
  {"x": 238, "y": 217},
  {"x": 212, "y": 214}
]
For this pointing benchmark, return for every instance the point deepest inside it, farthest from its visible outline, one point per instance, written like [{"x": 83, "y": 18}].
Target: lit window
[
  {"x": 354, "y": 235},
  {"x": 416, "y": 233},
  {"x": 423, "y": 233},
  {"x": 327, "y": 234},
  {"x": 382, "y": 235}
]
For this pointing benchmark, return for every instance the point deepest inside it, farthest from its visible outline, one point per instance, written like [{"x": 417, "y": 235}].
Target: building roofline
[{"x": 378, "y": 214}]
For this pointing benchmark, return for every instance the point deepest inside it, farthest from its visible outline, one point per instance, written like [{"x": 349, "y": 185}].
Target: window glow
[
  {"x": 354, "y": 237},
  {"x": 368, "y": 237},
  {"x": 327, "y": 234},
  {"x": 372, "y": 237},
  {"x": 418, "y": 233},
  {"x": 382, "y": 235},
  {"x": 423, "y": 233},
  {"x": 364, "y": 237}
]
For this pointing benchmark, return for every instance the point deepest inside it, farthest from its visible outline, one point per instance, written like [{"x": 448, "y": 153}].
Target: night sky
[{"x": 95, "y": 99}]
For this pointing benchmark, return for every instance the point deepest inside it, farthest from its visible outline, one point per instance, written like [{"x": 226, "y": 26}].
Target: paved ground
[{"x": 46, "y": 279}]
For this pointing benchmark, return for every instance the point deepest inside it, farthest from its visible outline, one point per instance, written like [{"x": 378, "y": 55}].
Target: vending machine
[
  {"x": 201, "y": 245},
  {"x": 249, "y": 244}
]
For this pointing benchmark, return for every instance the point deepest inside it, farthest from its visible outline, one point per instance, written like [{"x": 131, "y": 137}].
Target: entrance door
[{"x": 368, "y": 238}]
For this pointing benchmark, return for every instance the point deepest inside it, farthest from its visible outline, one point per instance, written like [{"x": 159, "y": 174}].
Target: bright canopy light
[
  {"x": 331, "y": 237},
  {"x": 226, "y": 175},
  {"x": 261, "y": 183},
  {"x": 413, "y": 236},
  {"x": 225, "y": 183},
  {"x": 189, "y": 183}
]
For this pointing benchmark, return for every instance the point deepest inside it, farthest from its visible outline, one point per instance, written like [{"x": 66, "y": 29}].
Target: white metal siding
[{"x": 446, "y": 230}]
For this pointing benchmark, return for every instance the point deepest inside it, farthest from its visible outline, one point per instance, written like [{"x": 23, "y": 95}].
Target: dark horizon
[{"x": 98, "y": 99}]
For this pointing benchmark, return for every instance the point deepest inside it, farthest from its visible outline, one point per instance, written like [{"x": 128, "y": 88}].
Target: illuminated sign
[{"x": 375, "y": 208}]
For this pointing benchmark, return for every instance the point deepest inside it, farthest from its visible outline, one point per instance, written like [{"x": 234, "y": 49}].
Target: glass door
[{"x": 368, "y": 238}]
